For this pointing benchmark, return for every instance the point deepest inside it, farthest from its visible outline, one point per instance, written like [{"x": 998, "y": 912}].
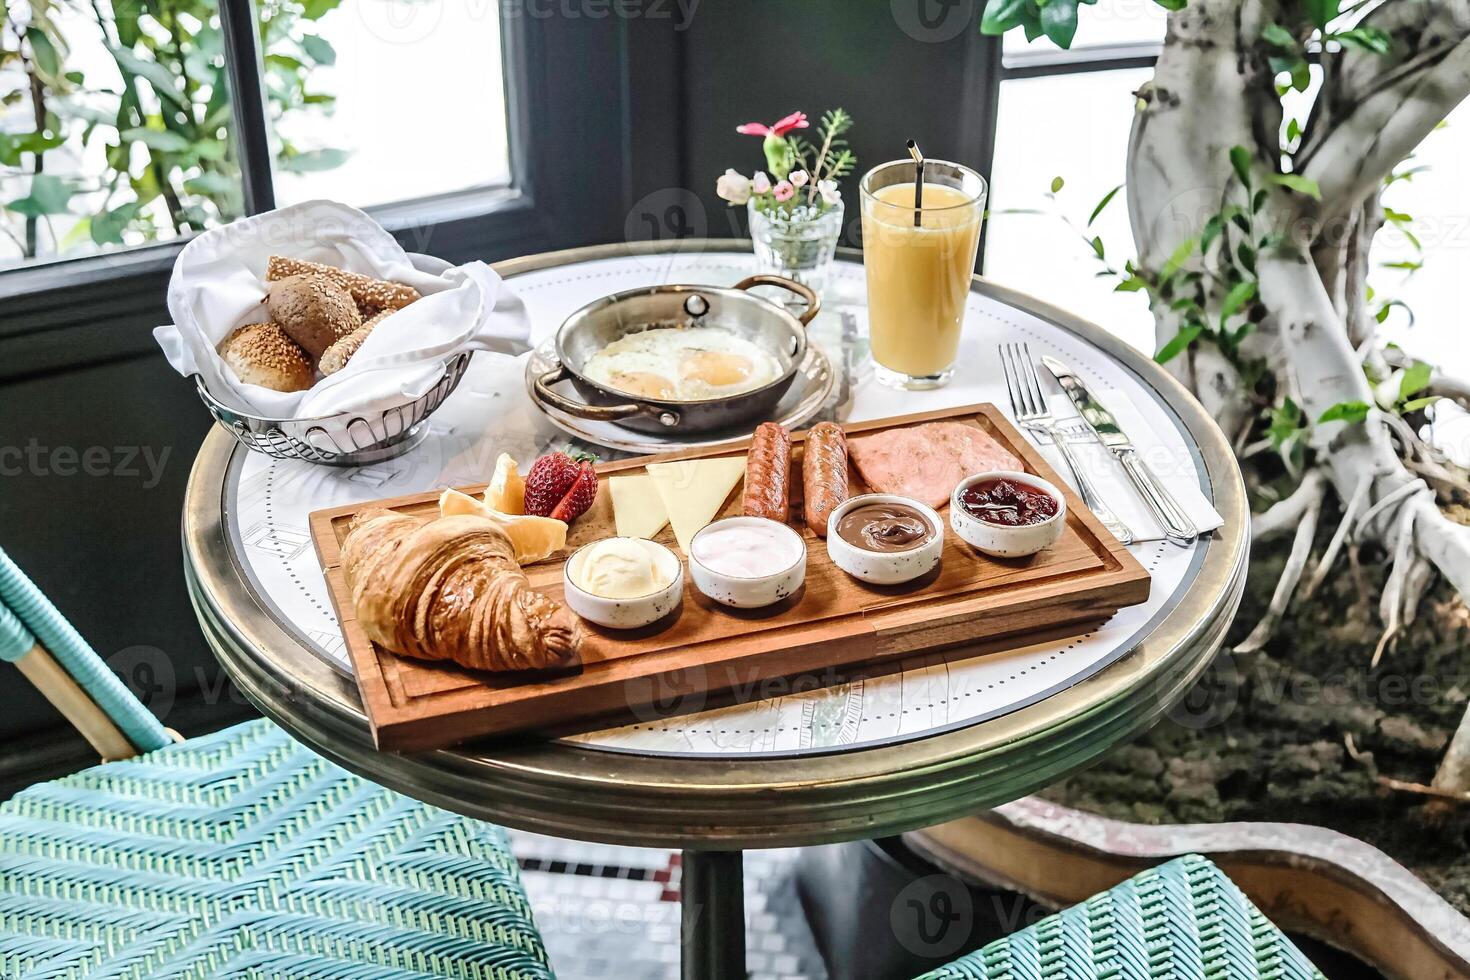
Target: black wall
[{"x": 645, "y": 109}]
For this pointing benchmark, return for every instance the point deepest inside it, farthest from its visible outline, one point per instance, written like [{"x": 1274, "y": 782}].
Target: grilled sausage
[
  {"x": 823, "y": 474},
  {"x": 768, "y": 473}
]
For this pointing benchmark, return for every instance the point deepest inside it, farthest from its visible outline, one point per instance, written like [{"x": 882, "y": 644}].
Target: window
[
  {"x": 113, "y": 128},
  {"x": 417, "y": 104},
  {"x": 116, "y": 125},
  {"x": 1039, "y": 241}
]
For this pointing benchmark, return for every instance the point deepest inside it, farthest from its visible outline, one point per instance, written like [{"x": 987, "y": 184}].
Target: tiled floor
[{"x": 612, "y": 913}]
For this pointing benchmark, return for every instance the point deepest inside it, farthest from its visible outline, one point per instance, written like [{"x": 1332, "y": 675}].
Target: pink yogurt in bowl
[{"x": 747, "y": 562}]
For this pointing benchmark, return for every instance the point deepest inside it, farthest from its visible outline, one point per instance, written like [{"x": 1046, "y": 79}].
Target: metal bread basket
[{"x": 348, "y": 439}]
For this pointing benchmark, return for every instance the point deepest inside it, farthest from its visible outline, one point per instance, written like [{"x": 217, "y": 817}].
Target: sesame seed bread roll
[
  {"x": 262, "y": 354},
  {"x": 314, "y": 312},
  {"x": 336, "y": 357},
  {"x": 371, "y": 295}
]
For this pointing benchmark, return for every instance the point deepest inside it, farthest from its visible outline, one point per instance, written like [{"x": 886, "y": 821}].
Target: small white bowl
[
  {"x": 625, "y": 614},
  {"x": 1001, "y": 540},
  {"x": 884, "y": 567},
  {"x": 742, "y": 592}
]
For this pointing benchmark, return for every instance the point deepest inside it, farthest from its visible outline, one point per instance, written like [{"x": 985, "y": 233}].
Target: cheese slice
[
  {"x": 694, "y": 490},
  {"x": 638, "y": 510}
]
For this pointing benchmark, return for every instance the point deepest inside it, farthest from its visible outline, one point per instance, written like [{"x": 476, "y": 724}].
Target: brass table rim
[{"x": 589, "y": 793}]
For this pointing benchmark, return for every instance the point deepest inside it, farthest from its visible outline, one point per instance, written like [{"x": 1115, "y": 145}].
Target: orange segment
[{"x": 533, "y": 538}]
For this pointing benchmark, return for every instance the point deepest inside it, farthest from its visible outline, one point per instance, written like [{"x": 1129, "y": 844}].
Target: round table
[{"x": 947, "y": 735}]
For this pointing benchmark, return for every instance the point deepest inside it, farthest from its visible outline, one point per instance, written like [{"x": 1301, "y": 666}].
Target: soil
[{"x": 1265, "y": 736}]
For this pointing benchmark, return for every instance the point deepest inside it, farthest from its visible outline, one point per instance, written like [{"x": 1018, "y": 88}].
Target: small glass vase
[{"x": 800, "y": 245}]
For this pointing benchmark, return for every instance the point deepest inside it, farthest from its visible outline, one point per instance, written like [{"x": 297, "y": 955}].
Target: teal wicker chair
[
  {"x": 237, "y": 854},
  {"x": 1183, "y": 921}
]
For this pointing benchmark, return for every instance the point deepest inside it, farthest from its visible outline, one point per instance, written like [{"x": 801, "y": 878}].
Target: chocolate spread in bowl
[{"x": 885, "y": 528}]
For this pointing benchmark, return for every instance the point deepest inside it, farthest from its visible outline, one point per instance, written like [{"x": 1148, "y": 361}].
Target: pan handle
[
  {"x": 596, "y": 413},
  {"x": 813, "y": 301}
]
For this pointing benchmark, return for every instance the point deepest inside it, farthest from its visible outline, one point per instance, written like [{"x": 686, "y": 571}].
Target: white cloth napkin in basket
[{"x": 219, "y": 280}]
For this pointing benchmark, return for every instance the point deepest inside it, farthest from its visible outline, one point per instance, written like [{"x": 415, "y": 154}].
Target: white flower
[
  {"x": 828, "y": 190},
  {"x": 760, "y": 184},
  {"x": 798, "y": 178},
  {"x": 733, "y": 187}
]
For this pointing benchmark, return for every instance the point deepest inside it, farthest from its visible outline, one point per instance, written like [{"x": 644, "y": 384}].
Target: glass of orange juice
[{"x": 919, "y": 262}]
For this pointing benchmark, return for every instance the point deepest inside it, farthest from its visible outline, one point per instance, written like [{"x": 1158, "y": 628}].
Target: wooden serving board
[{"x": 834, "y": 621}]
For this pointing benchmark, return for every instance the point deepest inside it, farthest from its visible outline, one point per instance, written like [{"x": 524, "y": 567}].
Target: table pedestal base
[{"x": 712, "y": 908}]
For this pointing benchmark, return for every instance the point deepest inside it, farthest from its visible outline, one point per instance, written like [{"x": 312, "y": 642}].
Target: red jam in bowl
[{"x": 1009, "y": 503}]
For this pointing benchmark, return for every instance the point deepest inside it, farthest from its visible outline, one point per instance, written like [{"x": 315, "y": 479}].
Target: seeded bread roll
[
  {"x": 336, "y": 357},
  {"x": 314, "y": 312},
  {"x": 371, "y": 295},
  {"x": 262, "y": 354}
]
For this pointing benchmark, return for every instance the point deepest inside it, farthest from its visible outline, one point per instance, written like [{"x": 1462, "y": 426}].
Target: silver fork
[{"x": 1028, "y": 402}]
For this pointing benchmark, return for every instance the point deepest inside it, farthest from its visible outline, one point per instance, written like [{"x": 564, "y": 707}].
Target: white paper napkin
[
  {"x": 1175, "y": 468},
  {"x": 219, "y": 279}
]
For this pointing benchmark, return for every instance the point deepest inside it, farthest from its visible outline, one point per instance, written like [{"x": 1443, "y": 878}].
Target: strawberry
[
  {"x": 579, "y": 496},
  {"x": 548, "y": 481}
]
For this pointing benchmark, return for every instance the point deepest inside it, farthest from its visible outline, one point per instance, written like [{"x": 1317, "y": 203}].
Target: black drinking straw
[{"x": 918, "y": 183}]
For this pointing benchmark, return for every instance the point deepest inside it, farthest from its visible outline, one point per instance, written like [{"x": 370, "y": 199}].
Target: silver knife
[{"x": 1166, "y": 509}]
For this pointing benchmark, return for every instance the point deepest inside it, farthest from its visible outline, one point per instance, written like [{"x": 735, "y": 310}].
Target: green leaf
[
  {"x": 1172, "y": 5},
  {"x": 1002, "y": 15},
  {"x": 1240, "y": 294},
  {"x": 108, "y": 227},
  {"x": 1415, "y": 404},
  {"x": 319, "y": 49},
  {"x": 162, "y": 140},
  {"x": 1370, "y": 39},
  {"x": 1258, "y": 201},
  {"x": 47, "y": 57},
  {"x": 1407, "y": 265},
  {"x": 1057, "y": 184},
  {"x": 1293, "y": 130},
  {"x": 1397, "y": 217},
  {"x": 157, "y": 76},
  {"x": 49, "y": 195},
  {"x": 1354, "y": 411},
  {"x": 1180, "y": 341},
  {"x": 1059, "y": 21},
  {"x": 1240, "y": 159},
  {"x": 1097, "y": 246},
  {"x": 1106, "y": 200},
  {"x": 1247, "y": 257},
  {"x": 315, "y": 9},
  {"x": 1301, "y": 76},
  {"x": 1213, "y": 227},
  {"x": 1321, "y": 11},
  {"x": 1279, "y": 36},
  {"x": 314, "y": 160},
  {"x": 12, "y": 145},
  {"x": 210, "y": 183},
  {"x": 1299, "y": 184},
  {"x": 1178, "y": 258},
  {"x": 1414, "y": 379},
  {"x": 1285, "y": 421},
  {"x": 1130, "y": 285}
]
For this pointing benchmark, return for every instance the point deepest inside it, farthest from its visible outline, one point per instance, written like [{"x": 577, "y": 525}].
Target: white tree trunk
[{"x": 1213, "y": 89}]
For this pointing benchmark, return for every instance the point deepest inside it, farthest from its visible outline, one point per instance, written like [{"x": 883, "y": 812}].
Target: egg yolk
[
  {"x": 644, "y": 384},
  {"x": 715, "y": 368}
]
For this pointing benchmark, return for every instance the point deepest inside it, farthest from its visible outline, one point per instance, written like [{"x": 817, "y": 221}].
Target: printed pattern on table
[{"x": 490, "y": 414}]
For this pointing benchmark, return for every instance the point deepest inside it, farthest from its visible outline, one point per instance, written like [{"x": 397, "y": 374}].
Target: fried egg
[{"x": 682, "y": 364}]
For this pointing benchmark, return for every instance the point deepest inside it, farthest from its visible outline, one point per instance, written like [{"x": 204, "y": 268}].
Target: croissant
[{"x": 451, "y": 589}]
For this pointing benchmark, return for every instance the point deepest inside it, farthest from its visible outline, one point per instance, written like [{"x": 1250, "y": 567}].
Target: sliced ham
[{"x": 927, "y": 461}]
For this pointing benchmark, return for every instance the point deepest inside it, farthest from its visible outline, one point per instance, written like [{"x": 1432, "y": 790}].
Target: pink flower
[
  {"x": 784, "y": 191},
  {"x": 797, "y": 120},
  {"x": 760, "y": 183},
  {"x": 798, "y": 178}
]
